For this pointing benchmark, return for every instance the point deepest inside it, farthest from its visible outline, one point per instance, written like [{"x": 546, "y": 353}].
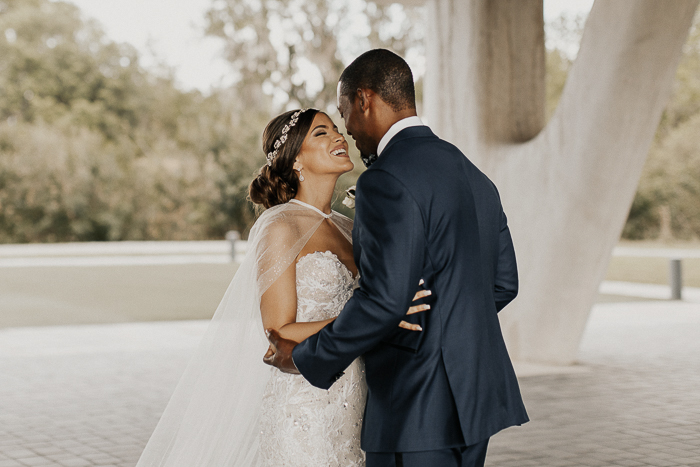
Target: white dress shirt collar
[{"x": 395, "y": 128}]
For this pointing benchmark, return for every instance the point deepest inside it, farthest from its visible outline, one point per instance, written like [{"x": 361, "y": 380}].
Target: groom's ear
[{"x": 363, "y": 98}]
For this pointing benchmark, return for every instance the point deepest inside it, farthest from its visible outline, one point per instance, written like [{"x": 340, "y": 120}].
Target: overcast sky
[{"x": 173, "y": 29}]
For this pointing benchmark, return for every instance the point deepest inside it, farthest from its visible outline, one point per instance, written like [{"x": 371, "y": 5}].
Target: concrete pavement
[
  {"x": 90, "y": 395},
  {"x": 638, "y": 403}
]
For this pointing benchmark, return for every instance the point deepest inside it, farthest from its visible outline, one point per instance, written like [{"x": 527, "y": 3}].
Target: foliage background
[{"x": 95, "y": 147}]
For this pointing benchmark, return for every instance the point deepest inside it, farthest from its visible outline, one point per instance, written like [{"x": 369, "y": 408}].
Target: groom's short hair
[{"x": 383, "y": 72}]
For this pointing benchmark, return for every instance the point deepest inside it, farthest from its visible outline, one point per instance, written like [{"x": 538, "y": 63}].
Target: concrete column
[
  {"x": 506, "y": 75},
  {"x": 567, "y": 191}
]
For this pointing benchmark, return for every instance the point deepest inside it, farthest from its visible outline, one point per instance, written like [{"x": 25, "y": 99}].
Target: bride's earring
[{"x": 301, "y": 175}]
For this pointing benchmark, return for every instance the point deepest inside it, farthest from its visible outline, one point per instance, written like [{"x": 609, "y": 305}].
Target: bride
[{"x": 229, "y": 409}]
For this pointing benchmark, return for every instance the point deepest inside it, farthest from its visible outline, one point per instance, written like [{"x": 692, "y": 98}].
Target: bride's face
[{"x": 324, "y": 150}]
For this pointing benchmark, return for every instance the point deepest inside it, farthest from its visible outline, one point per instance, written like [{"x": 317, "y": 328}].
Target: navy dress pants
[{"x": 466, "y": 456}]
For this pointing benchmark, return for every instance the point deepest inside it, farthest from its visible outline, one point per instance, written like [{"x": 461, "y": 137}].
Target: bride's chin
[{"x": 346, "y": 168}]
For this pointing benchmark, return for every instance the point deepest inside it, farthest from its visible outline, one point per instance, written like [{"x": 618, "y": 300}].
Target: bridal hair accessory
[
  {"x": 281, "y": 140},
  {"x": 349, "y": 200}
]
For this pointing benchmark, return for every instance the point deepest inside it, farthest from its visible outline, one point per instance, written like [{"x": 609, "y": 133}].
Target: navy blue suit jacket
[{"x": 423, "y": 210}]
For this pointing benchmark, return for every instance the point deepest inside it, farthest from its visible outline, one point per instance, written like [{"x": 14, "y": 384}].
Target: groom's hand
[
  {"x": 424, "y": 306},
  {"x": 279, "y": 354}
]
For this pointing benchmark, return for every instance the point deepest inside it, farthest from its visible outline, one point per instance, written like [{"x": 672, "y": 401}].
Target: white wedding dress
[
  {"x": 302, "y": 425},
  {"x": 231, "y": 410}
]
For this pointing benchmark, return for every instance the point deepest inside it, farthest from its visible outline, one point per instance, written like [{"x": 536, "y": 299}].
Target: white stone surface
[{"x": 567, "y": 191}]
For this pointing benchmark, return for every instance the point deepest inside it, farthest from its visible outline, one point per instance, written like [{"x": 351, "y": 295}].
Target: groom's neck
[
  {"x": 388, "y": 117},
  {"x": 400, "y": 115}
]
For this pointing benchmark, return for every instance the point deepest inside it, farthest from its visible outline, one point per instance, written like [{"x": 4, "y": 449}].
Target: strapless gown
[{"x": 302, "y": 425}]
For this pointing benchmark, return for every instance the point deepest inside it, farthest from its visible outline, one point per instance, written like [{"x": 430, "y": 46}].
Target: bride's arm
[{"x": 278, "y": 306}]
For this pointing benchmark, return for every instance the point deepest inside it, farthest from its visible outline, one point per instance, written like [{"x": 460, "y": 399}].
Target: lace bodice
[
  {"x": 324, "y": 284},
  {"x": 302, "y": 425}
]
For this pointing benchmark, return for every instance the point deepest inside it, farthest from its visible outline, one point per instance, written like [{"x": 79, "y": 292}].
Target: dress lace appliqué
[{"x": 302, "y": 425}]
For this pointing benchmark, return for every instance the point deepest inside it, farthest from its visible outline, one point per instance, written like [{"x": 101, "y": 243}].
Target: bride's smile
[{"x": 324, "y": 151}]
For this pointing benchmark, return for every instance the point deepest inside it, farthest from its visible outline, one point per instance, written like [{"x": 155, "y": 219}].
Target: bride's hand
[{"x": 416, "y": 309}]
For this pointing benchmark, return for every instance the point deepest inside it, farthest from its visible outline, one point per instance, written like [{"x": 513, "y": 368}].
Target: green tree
[
  {"x": 93, "y": 147},
  {"x": 667, "y": 203},
  {"x": 290, "y": 53},
  {"x": 295, "y": 50},
  {"x": 59, "y": 70}
]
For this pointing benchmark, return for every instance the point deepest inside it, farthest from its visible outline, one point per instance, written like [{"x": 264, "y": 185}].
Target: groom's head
[{"x": 374, "y": 92}]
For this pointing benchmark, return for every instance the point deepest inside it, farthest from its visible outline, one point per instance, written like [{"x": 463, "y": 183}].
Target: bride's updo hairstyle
[{"x": 278, "y": 183}]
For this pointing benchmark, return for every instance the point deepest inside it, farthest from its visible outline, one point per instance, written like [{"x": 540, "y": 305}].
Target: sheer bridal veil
[{"x": 212, "y": 417}]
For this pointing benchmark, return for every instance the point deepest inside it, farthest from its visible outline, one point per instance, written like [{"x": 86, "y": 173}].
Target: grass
[
  {"x": 653, "y": 270},
  {"x": 110, "y": 294},
  {"x": 81, "y": 295}
]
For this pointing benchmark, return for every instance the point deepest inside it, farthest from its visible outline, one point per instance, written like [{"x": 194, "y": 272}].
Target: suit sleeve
[
  {"x": 391, "y": 236},
  {"x": 506, "y": 280}
]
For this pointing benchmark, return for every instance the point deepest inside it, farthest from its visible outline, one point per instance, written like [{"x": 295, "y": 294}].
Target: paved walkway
[
  {"x": 637, "y": 402},
  {"x": 90, "y": 395}
]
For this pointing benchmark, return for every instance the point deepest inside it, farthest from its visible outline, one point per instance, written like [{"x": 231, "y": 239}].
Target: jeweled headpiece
[{"x": 281, "y": 140}]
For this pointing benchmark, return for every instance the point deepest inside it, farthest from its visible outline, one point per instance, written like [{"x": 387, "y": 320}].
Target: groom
[{"x": 423, "y": 211}]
